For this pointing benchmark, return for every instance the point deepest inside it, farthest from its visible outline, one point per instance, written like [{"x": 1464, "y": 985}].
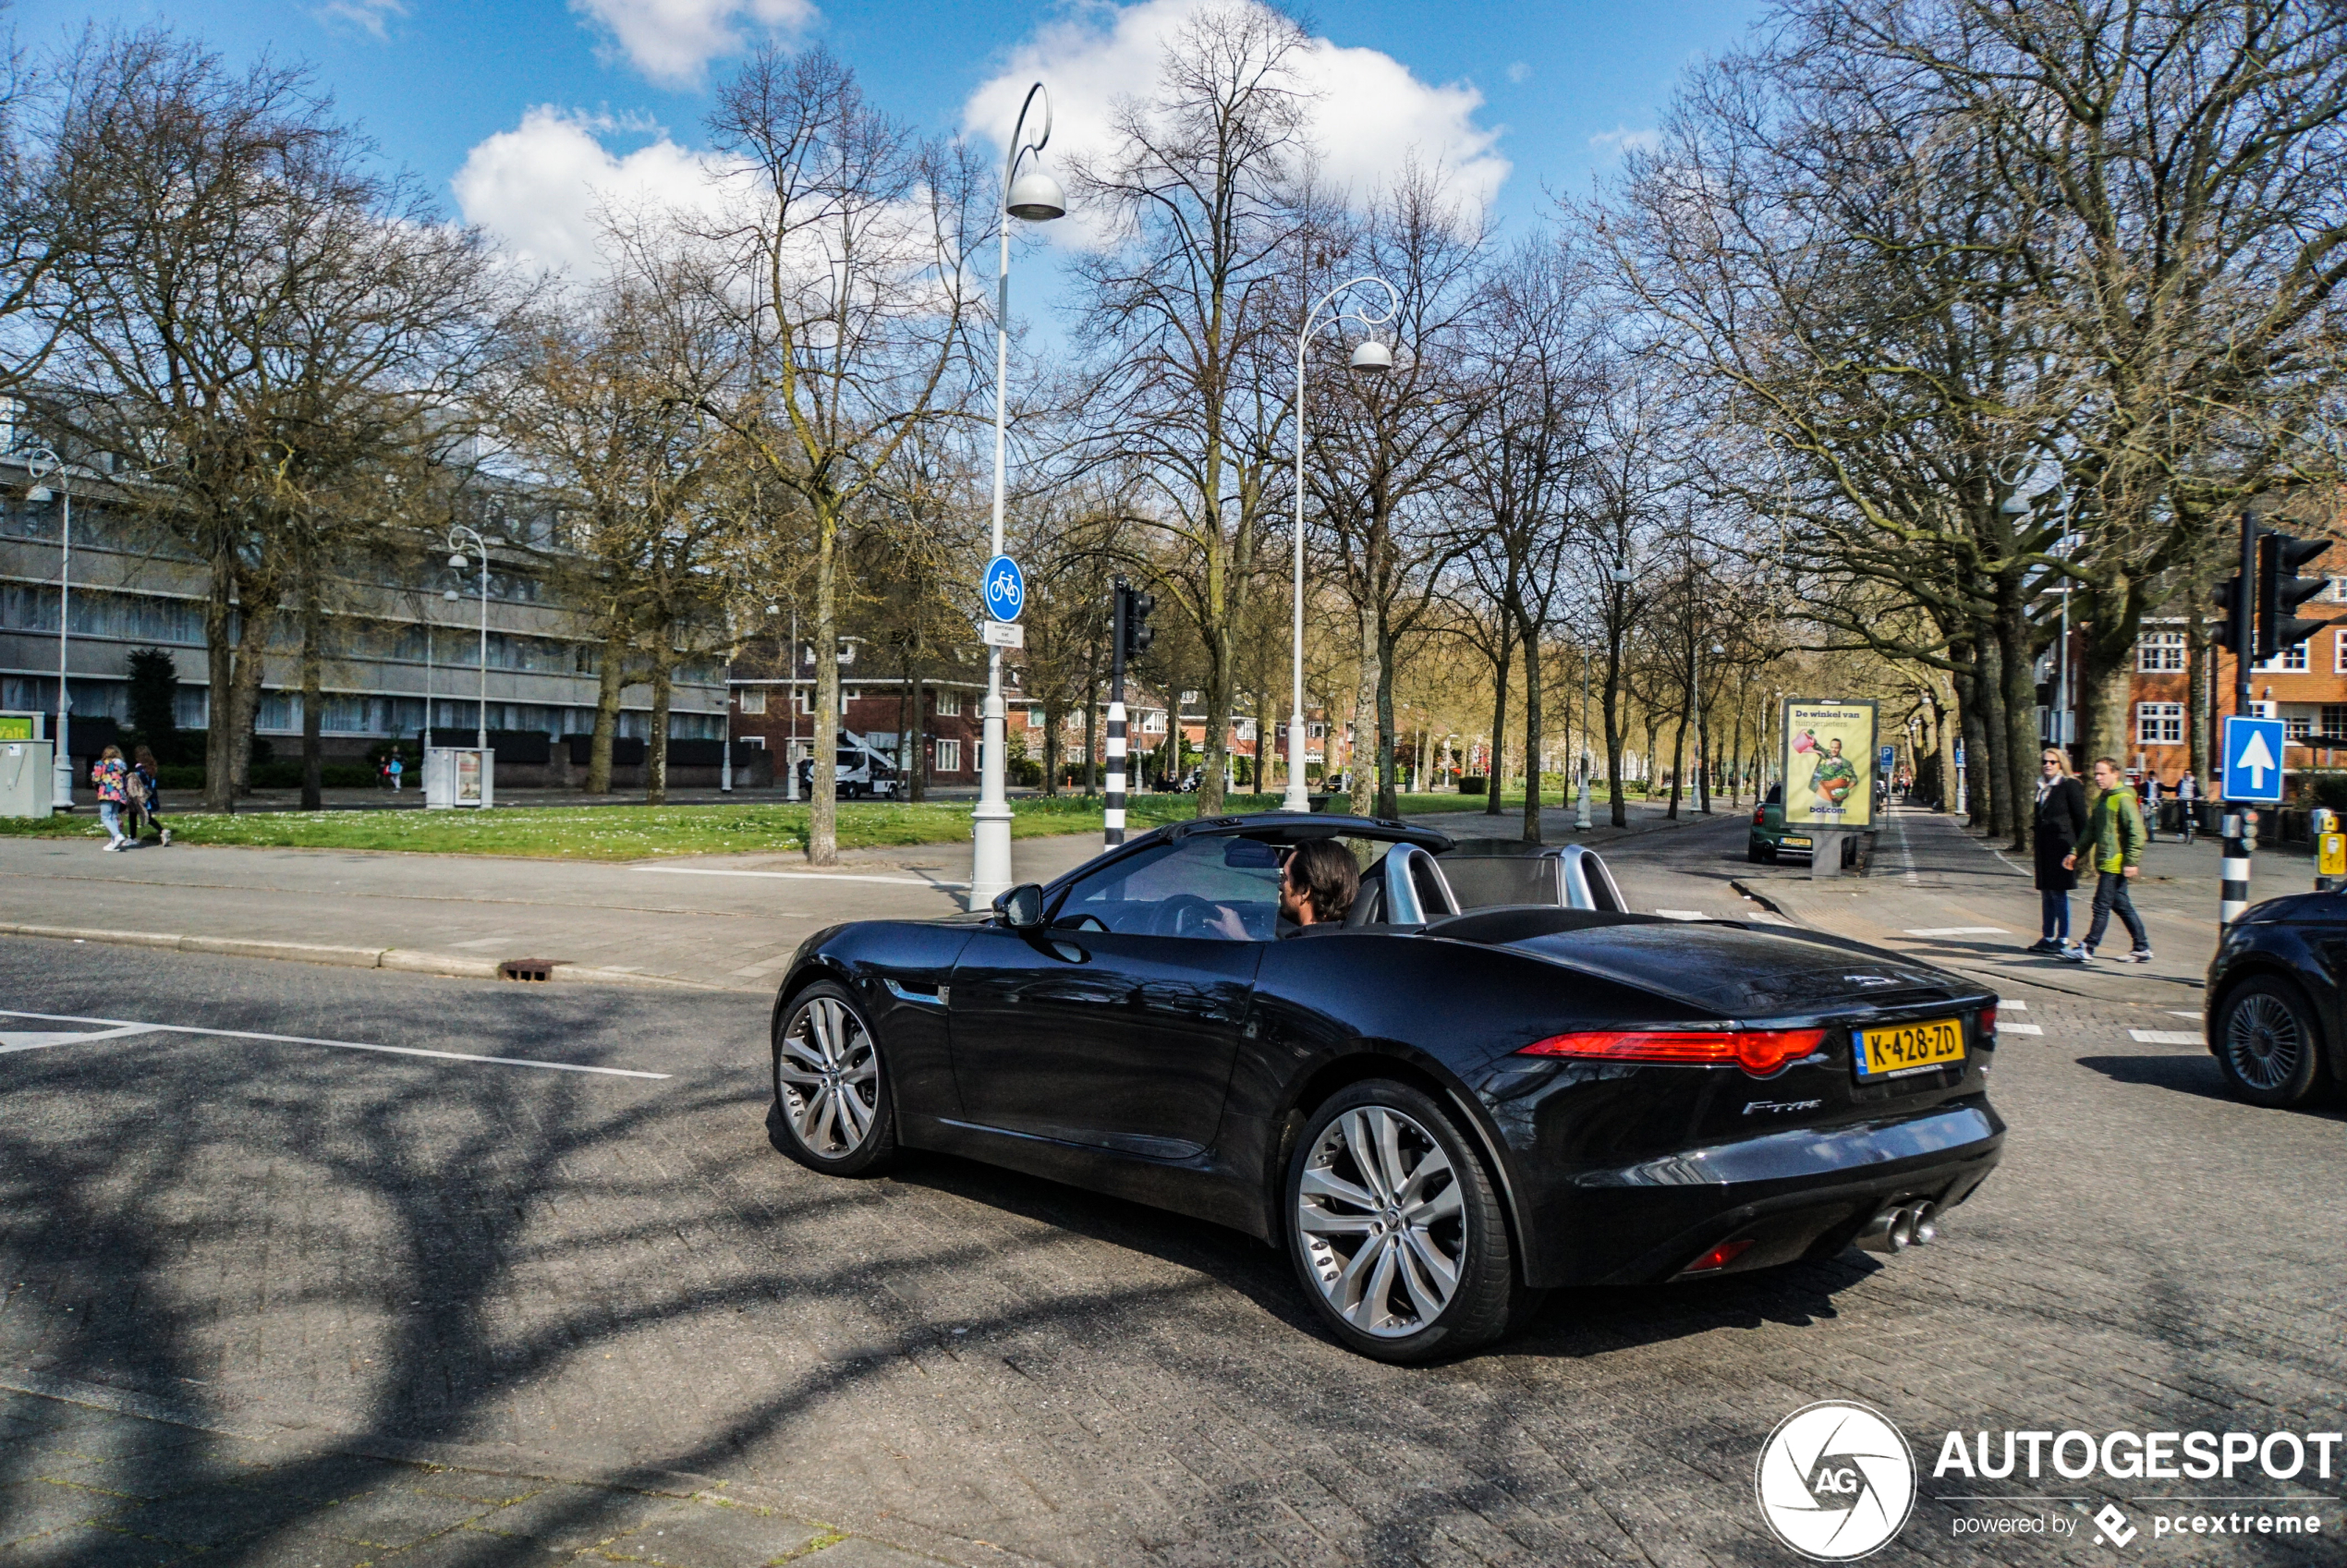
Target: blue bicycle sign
[{"x": 1004, "y": 588}]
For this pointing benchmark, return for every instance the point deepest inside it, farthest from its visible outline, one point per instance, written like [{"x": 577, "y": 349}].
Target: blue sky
[{"x": 435, "y": 78}]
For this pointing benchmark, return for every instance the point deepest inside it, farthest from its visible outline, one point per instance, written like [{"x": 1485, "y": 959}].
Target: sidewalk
[{"x": 1947, "y": 895}]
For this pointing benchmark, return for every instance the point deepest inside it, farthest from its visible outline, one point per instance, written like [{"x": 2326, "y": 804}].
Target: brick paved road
[{"x": 587, "y": 1279}]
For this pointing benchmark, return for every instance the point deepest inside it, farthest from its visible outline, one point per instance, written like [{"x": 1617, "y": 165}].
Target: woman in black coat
[{"x": 2062, "y": 822}]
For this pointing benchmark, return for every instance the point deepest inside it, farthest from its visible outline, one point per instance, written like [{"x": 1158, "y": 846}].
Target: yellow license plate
[
  {"x": 1793, "y": 843},
  {"x": 1909, "y": 1047}
]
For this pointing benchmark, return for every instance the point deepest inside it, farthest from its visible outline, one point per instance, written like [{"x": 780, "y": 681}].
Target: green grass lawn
[{"x": 635, "y": 832}]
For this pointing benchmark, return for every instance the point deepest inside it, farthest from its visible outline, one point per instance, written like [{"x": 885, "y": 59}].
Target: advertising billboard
[{"x": 1828, "y": 764}]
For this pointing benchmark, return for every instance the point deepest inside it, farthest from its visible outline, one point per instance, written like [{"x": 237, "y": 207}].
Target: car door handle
[{"x": 932, "y": 996}]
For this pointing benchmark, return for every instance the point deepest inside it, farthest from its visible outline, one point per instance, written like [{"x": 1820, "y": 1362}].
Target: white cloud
[
  {"x": 1519, "y": 73},
  {"x": 1622, "y": 139},
  {"x": 672, "y": 41},
  {"x": 539, "y": 188},
  {"x": 1372, "y": 114},
  {"x": 370, "y": 16}
]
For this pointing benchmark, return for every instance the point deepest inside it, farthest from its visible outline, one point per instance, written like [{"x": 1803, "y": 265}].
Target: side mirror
[{"x": 1022, "y": 907}]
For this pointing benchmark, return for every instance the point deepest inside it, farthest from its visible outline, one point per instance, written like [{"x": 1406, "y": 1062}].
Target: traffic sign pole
[
  {"x": 2233, "y": 892},
  {"x": 1115, "y": 814}
]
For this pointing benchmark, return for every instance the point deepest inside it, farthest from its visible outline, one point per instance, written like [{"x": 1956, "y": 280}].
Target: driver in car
[{"x": 1317, "y": 886}]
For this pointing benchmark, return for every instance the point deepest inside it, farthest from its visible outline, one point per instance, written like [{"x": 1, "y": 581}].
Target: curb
[{"x": 411, "y": 961}]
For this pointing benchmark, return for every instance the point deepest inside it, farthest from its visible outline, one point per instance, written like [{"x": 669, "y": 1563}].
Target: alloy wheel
[
  {"x": 2263, "y": 1041},
  {"x": 829, "y": 1076},
  {"x": 1381, "y": 1213}
]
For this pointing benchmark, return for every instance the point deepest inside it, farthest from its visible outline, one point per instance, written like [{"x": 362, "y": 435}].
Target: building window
[
  {"x": 2288, "y": 659},
  {"x": 2159, "y": 724},
  {"x": 2339, "y": 652},
  {"x": 2337, "y": 594},
  {"x": 753, "y": 699},
  {"x": 1154, "y": 723},
  {"x": 2296, "y": 726},
  {"x": 805, "y": 701},
  {"x": 2334, "y": 719},
  {"x": 755, "y": 742},
  {"x": 949, "y": 755},
  {"x": 949, "y": 706},
  {"x": 1035, "y": 718},
  {"x": 2160, "y": 650}
]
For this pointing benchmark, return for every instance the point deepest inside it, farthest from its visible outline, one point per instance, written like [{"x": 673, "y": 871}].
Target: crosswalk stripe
[{"x": 2167, "y": 1037}]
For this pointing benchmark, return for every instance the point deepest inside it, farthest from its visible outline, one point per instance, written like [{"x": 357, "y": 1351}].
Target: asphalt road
[{"x": 607, "y": 1275}]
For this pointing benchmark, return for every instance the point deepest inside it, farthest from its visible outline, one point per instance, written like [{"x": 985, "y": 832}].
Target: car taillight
[
  {"x": 1760, "y": 816},
  {"x": 1757, "y": 1052},
  {"x": 1988, "y": 1020}
]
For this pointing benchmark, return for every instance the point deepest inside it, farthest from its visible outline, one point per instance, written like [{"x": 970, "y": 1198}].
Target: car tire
[
  {"x": 1372, "y": 1247},
  {"x": 2268, "y": 1044},
  {"x": 1753, "y": 855},
  {"x": 831, "y": 1109}
]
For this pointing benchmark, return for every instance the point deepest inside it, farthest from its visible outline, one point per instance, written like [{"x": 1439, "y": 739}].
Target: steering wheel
[{"x": 1181, "y": 915}]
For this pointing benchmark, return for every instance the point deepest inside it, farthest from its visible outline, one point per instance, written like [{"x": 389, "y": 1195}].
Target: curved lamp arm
[{"x": 1020, "y": 146}]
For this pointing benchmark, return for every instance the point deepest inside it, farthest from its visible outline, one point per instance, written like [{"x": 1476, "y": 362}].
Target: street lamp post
[
  {"x": 1369, "y": 355},
  {"x": 1035, "y": 197},
  {"x": 61, "y": 769},
  {"x": 456, "y": 562}
]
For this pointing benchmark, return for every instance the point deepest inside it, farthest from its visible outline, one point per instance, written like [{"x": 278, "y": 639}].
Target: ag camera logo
[{"x": 1836, "y": 1480}]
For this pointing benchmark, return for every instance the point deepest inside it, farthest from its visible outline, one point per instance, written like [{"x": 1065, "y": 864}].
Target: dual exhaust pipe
[{"x": 1900, "y": 1226}]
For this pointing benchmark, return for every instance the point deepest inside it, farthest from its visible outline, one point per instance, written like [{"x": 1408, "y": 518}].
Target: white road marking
[
  {"x": 798, "y": 876},
  {"x": 2013, "y": 1003},
  {"x": 117, "y": 1026},
  {"x": 1906, "y": 852},
  {"x": 2005, "y": 1028},
  {"x": 23, "y": 1040},
  {"x": 1960, "y": 931},
  {"x": 2167, "y": 1037},
  {"x": 2182, "y": 1012},
  {"x": 1682, "y": 914}
]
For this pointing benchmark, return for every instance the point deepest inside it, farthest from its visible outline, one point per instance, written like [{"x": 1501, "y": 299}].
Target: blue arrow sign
[
  {"x": 1005, "y": 589},
  {"x": 2253, "y": 760}
]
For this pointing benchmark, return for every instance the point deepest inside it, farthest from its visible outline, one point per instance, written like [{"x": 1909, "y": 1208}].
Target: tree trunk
[
  {"x": 2017, "y": 655},
  {"x": 611, "y": 681},
  {"x": 1678, "y": 761},
  {"x": 912, "y": 746},
  {"x": 1091, "y": 730},
  {"x": 312, "y": 698},
  {"x": 1975, "y": 731},
  {"x": 2198, "y": 732},
  {"x": 1950, "y": 725},
  {"x": 244, "y": 694},
  {"x": 822, "y": 812},
  {"x": 1389, "y": 805},
  {"x": 220, "y": 665},
  {"x": 1988, "y": 772},
  {"x": 656, "y": 748},
  {"x": 1053, "y": 714},
  {"x": 1531, "y": 730},
  {"x": 1361, "y": 794},
  {"x": 1491, "y": 765}
]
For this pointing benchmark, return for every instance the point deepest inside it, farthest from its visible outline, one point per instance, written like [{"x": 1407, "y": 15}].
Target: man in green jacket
[{"x": 2115, "y": 825}]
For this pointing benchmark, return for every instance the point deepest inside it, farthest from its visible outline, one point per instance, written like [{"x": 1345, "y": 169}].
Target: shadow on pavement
[{"x": 2194, "y": 1074}]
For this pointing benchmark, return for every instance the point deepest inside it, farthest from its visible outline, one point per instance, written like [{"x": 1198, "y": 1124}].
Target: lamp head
[
  {"x": 1372, "y": 356},
  {"x": 450, "y": 596},
  {"x": 1035, "y": 197},
  {"x": 458, "y": 563},
  {"x": 2016, "y": 506},
  {"x": 40, "y": 495}
]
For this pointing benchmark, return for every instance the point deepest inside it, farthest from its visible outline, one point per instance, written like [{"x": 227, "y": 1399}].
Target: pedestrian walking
[
  {"x": 2151, "y": 808},
  {"x": 395, "y": 768},
  {"x": 2116, "y": 827},
  {"x": 2187, "y": 807},
  {"x": 2062, "y": 822},
  {"x": 112, "y": 777},
  {"x": 146, "y": 774}
]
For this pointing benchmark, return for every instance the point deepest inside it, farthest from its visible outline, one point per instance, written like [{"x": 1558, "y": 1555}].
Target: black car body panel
[
  {"x": 2301, "y": 937},
  {"x": 1177, "y": 1071}
]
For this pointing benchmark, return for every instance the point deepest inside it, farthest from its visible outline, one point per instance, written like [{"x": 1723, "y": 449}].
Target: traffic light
[
  {"x": 1139, "y": 633},
  {"x": 2229, "y": 631},
  {"x": 2281, "y": 590}
]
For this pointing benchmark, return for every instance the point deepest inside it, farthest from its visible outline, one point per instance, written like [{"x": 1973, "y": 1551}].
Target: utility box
[
  {"x": 460, "y": 775},
  {"x": 16, "y": 724},
  {"x": 26, "y": 788}
]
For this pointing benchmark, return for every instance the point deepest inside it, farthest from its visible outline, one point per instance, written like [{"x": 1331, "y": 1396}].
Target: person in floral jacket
[{"x": 111, "y": 776}]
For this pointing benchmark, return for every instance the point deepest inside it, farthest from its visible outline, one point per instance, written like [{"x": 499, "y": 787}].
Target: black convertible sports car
[{"x": 1488, "y": 1080}]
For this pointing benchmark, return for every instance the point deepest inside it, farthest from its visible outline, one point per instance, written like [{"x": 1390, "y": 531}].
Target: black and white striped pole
[
  {"x": 1116, "y": 814},
  {"x": 2241, "y": 841}
]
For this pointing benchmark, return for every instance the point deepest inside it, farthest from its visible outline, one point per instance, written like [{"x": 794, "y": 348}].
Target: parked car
[
  {"x": 1770, "y": 839},
  {"x": 2275, "y": 1018},
  {"x": 1439, "y": 1112}
]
